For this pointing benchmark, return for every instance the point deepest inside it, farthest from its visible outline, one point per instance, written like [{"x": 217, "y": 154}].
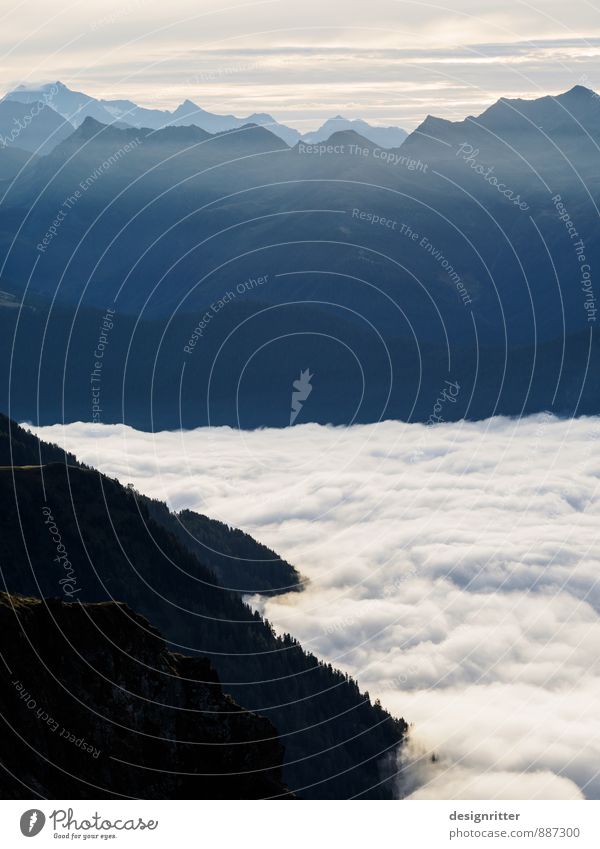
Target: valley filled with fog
[{"x": 452, "y": 569}]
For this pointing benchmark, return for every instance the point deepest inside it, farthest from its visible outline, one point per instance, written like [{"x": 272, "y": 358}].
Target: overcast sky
[{"x": 390, "y": 61}]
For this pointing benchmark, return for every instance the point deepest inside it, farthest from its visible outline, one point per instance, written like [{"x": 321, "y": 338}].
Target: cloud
[
  {"x": 467, "y": 784},
  {"x": 454, "y": 570},
  {"x": 305, "y": 62}
]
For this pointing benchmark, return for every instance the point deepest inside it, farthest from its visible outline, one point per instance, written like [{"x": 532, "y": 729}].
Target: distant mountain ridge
[
  {"x": 33, "y": 127},
  {"x": 549, "y": 114},
  {"x": 388, "y": 137},
  {"x": 523, "y": 125},
  {"x": 76, "y": 106}
]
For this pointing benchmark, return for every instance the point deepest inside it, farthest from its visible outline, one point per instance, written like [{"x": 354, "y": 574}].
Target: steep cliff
[
  {"x": 70, "y": 532},
  {"x": 94, "y": 705}
]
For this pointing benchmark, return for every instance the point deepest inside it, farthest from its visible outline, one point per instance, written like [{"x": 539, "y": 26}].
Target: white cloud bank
[{"x": 454, "y": 570}]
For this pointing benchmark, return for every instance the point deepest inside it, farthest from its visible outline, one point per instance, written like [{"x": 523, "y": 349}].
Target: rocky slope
[
  {"x": 70, "y": 532},
  {"x": 94, "y": 705}
]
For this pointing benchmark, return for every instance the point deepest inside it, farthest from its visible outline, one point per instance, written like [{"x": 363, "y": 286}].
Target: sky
[
  {"x": 391, "y": 62},
  {"x": 454, "y": 570}
]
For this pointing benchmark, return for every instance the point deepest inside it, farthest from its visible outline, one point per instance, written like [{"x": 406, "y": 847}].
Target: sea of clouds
[{"x": 453, "y": 569}]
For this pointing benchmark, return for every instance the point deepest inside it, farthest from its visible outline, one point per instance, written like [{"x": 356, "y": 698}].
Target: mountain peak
[
  {"x": 187, "y": 109},
  {"x": 348, "y": 136},
  {"x": 578, "y": 91},
  {"x": 91, "y": 129},
  {"x": 259, "y": 116},
  {"x": 89, "y": 122},
  {"x": 186, "y": 105}
]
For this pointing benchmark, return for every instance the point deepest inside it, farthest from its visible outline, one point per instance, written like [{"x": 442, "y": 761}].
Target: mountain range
[
  {"x": 234, "y": 262},
  {"x": 75, "y": 107}
]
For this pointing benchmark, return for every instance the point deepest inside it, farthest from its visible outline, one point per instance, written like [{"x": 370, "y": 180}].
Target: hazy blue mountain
[
  {"x": 189, "y": 113},
  {"x": 555, "y": 116},
  {"x": 183, "y": 202},
  {"x": 75, "y": 106},
  {"x": 383, "y": 136},
  {"x": 515, "y": 130},
  {"x": 12, "y": 160},
  {"x": 407, "y": 265},
  {"x": 136, "y": 116},
  {"x": 32, "y": 126}
]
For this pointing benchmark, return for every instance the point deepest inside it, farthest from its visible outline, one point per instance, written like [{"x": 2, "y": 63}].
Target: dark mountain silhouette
[
  {"x": 239, "y": 562},
  {"x": 336, "y": 741},
  {"x": 94, "y": 705},
  {"x": 19, "y": 447}
]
